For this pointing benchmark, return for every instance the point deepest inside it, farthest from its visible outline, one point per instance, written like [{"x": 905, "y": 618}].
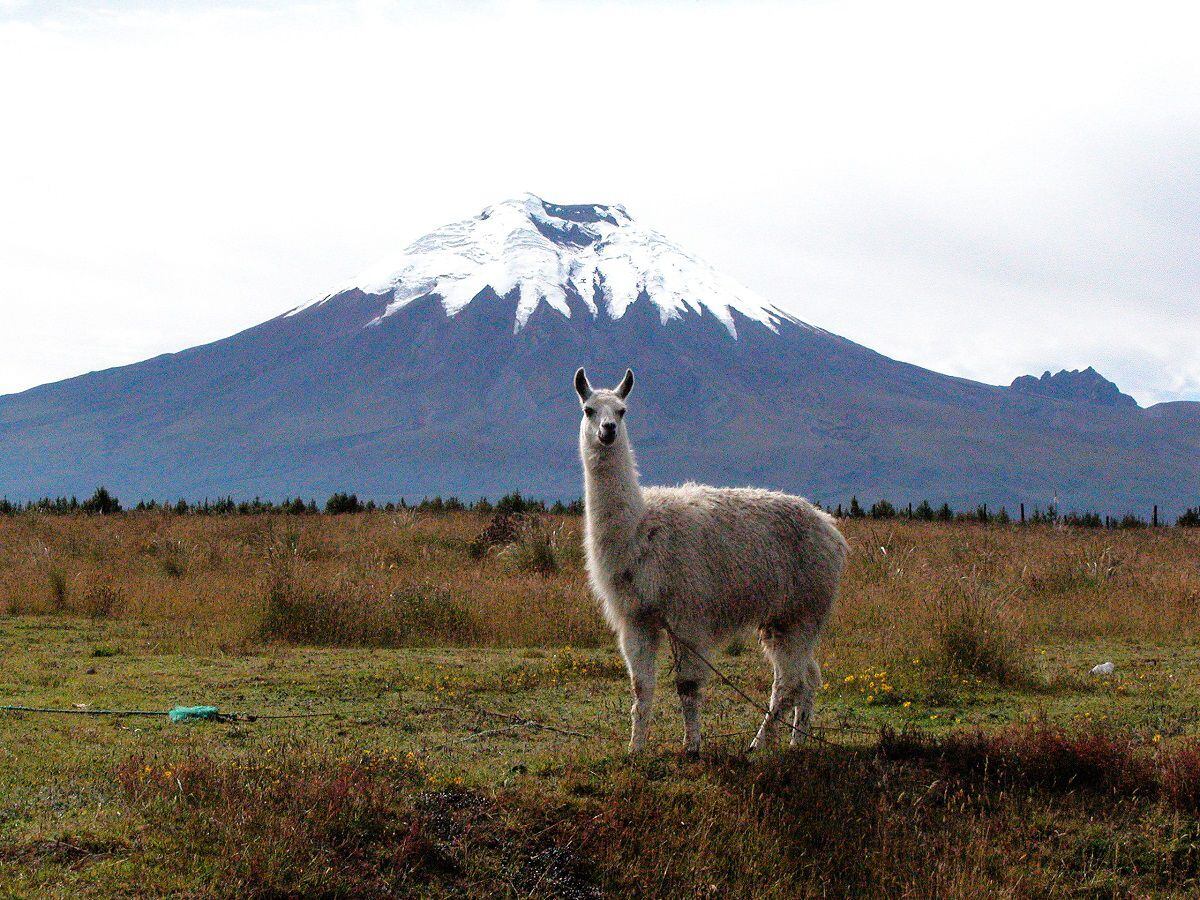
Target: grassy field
[{"x": 1003, "y": 768}]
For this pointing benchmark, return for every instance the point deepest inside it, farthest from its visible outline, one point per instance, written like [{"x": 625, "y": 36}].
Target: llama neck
[{"x": 612, "y": 494}]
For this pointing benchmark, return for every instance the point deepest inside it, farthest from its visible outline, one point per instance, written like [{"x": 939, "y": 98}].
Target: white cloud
[{"x": 983, "y": 189}]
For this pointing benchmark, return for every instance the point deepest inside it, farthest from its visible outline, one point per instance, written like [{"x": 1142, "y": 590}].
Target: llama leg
[
  {"x": 805, "y": 700},
  {"x": 639, "y": 646},
  {"x": 789, "y": 655},
  {"x": 690, "y": 677}
]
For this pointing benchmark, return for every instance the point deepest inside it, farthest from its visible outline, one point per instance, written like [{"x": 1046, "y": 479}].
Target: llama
[{"x": 704, "y": 564}]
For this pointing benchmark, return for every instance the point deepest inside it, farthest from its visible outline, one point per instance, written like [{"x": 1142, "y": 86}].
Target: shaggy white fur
[{"x": 708, "y": 563}]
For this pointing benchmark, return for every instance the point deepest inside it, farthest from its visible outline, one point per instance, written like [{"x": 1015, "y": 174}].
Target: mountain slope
[{"x": 448, "y": 370}]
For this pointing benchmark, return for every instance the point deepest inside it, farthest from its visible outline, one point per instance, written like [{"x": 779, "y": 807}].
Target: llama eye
[
  {"x": 590, "y": 412},
  {"x": 620, "y": 413}
]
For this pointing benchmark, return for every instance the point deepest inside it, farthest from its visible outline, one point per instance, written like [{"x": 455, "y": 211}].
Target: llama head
[{"x": 603, "y": 410}]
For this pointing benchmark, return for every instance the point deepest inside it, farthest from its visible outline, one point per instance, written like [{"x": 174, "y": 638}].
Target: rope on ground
[
  {"x": 515, "y": 720},
  {"x": 765, "y": 710},
  {"x": 86, "y": 712},
  {"x": 178, "y": 714}
]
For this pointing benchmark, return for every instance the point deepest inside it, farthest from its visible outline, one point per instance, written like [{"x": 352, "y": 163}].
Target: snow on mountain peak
[{"x": 546, "y": 252}]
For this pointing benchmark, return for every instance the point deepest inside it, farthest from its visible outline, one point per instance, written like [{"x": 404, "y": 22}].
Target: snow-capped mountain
[
  {"x": 544, "y": 253},
  {"x": 448, "y": 370}
]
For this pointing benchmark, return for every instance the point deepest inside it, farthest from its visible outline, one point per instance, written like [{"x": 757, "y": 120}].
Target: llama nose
[{"x": 608, "y": 432}]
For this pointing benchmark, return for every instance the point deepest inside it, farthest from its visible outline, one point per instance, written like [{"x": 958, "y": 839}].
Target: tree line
[
  {"x": 1051, "y": 515},
  {"x": 102, "y": 502}
]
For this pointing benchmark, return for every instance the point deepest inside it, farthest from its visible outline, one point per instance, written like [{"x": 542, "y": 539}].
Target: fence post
[
  {"x": 1154, "y": 517},
  {"x": 1022, "y": 513}
]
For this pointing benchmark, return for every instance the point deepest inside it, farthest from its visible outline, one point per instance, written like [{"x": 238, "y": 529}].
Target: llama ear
[
  {"x": 582, "y": 388},
  {"x": 626, "y": 384}
]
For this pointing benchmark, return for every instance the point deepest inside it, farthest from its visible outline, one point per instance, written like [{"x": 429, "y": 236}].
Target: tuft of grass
[
  {"x": 977, "y": 634},
  {"x": 103, "y": 600},
  {"x": 535, "y": 553},
  {"x": 58, "y": 590}
]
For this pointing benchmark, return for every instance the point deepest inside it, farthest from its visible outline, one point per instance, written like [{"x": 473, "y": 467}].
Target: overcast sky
[{"x": 985, "y": 189}]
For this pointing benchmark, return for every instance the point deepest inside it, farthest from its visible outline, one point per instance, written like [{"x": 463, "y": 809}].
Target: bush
[
  {"x": 974, "y": 634},
  {"x": 535, "y": 552},
  {"x": 504, "y": 528},
  {"x": 521, "y": 537}
]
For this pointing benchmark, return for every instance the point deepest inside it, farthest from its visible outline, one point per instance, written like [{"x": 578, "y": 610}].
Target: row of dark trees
[
  {"x": 102, "y": 502},
  {"x": 1051, "y": 515}
]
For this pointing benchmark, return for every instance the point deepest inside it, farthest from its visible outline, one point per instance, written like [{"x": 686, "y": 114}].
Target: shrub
[
  {"x": 974, "y": 633},
  {"x": 504, "y": 528},
  {"x": 535, "y": 552},
  {"x": 521, "y": 537}
]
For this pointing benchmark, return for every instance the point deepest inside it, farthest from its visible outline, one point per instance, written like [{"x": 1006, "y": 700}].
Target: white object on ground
[{"x": 1105, "y": 668}]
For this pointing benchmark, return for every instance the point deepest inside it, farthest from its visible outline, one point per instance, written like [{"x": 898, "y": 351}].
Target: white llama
[{"x": 705, "y": 564}]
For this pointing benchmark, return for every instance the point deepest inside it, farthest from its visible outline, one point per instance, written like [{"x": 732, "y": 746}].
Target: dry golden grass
[{"x": 979, "y": 596}]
